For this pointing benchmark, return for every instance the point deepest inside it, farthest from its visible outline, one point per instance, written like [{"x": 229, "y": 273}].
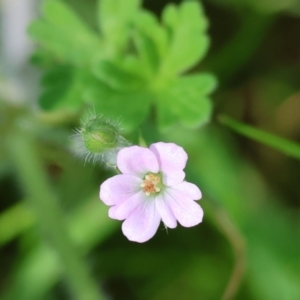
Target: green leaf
[
  {"x": 64, "y": 87},
  {"x": 287, "y": 147},
  {"x": 150, "y": 39},
  {"x": 170, "y": 16},
  {"x": 89, "y": 226},
  {"x": 131, "y": 107},
  {"x": 51, "y": 40},
  {"x": 166, "y": 115},
  {"x": 116, "y": 77},
  {"x": 65, "y": 34},
  {"x": 202, "y": 84},
  {"x": 186, "y": 99},
  {"x": 115, "y": 18},
  {"x": 42, "y": 58},
  {"x": 187, "y": 41},
  {"x": 194, "y": 111},
  {"x": 9, "y": 228}
]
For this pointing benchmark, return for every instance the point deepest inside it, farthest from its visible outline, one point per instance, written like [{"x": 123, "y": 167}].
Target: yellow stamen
[{"x": 149, "y": 184}]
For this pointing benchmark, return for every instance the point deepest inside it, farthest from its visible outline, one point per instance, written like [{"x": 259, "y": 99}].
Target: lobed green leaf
[
  {"x": 130, "y": 106},
  {"x": 187, "y": 41},
  {"x": 116, "y": 77},
  {"x": 186, "y": 99},
  {"x": 115, "y": 18},
  {"x": 151, "y": 39},
  {"x": 65, "y": 34},
  {"x": 64, "y": 88}
]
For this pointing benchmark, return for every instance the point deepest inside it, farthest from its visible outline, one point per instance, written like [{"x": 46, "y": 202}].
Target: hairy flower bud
[
  {"x": 99, "y": 139},
  {"x": 99, "y": 135}
]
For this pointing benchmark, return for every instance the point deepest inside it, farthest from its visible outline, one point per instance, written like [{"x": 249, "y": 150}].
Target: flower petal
[
  {"x": 173, "y": 178},
  {"x": 172, "y": 160},
  {"x": 122, "y": 210},
  {"x": 165, "y": 212},
  {"x": 187, "y": 212},
  {"x": 189, "y": 189},
  {"x": 142, "y": 224},
  {"x": 137, "y": 161},
  {"x": 118, "y": 188}
]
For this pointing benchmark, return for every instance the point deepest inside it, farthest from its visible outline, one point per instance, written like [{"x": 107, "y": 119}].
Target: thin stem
[
  {"x": 50, "y": 216},
  {"x": 237, "y": 242},
  {"x": 221, "y": 220}
]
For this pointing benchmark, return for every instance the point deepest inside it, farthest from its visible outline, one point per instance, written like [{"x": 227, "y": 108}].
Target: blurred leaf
[
  {"x": 117, "y": 78},
  {"x": 130, "y": 107},
  {"x": 166, "y": 114},
  {"x": 14, "y": 221},
  {"x": 187, "y": 41},
  {"x": 151, "y": 40},
  {"x": 274, "y": 253},
  {"x": 186, "y": 100},
  {"x": 170, "y": 16},
  {"x": 64, "y": 87},
  {"x": 55, "y": 42},
  {"x": 287, "y": 147},
  {"x": 138, "y": 62},
  {"x": 43, "y": 58},
  {"x": 65, "y": 34},
  {"x": 41, "y": 269},
  {"x": 115, "y": 18}
]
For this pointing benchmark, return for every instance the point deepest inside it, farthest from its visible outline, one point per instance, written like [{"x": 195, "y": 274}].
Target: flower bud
[
  {"x": 99, "y": 136},
  {"x": 99, "y": 139}
]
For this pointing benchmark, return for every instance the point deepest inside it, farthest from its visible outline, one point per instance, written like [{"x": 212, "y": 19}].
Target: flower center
[{"x": 150, "y": 184}]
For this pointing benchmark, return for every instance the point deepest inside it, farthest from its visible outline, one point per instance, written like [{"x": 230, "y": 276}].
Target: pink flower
[{"x": 151, "y": 188}]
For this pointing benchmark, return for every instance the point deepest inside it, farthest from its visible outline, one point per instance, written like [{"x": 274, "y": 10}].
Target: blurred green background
[{"x": 56, "y": 239}]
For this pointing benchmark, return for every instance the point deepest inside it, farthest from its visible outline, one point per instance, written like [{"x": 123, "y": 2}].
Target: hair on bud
[{"x": 99, "y": 139}]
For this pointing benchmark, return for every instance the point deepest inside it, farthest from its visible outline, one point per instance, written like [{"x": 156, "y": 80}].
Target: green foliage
[
  {"x": 64, "y": 34},
  {"x": 115, "y": 19},
  {"x": 287, "y": 147},
  {"x": 64, "y": 86},
  {"x": 131, "y": 62},
  {"x": 126, "y": 63},
  {"x": 186, "y": 36}
]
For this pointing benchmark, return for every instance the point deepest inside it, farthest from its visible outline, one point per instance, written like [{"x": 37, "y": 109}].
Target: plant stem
[
  {"x": 238, "y": 245},
  {"x": 222, "y": 221},
  {"x": 50, "y": 216}
]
